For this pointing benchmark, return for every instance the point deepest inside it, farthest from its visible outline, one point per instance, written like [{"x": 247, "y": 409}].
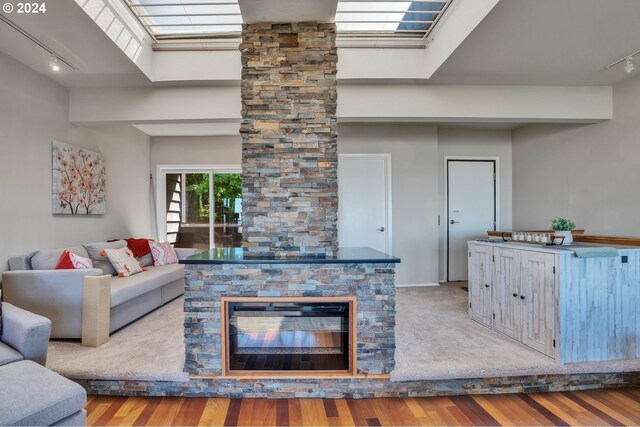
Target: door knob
[
  {"x": 454, "y": 222},
  {"x": 381, "y": 229}
]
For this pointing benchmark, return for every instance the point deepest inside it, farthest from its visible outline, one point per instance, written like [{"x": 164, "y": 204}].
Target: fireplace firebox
[{"x": 289, "y": 335}]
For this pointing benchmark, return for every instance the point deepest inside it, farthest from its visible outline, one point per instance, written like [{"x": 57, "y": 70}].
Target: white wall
[
  {"x": 33, "y": 111},
  {"x": 470, "y": 143},
  {"x": 414, "y": 151},
  {"x": 195, "y": 150},
  {"x": 589, "y": 173},
  {"x": 417, "y": 152},
  {"x": 414, "y": 157}
]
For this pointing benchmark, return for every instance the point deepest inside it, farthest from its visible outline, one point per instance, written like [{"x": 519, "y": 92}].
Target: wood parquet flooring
[{"x": 616, "y": 407}]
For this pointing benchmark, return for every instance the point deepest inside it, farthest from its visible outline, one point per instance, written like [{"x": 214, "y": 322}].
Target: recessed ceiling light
[
  {"x": 54, "y": 64},
  {"x": 630, "y": 66}
]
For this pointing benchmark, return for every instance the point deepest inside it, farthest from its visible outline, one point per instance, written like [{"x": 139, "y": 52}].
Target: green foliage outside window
[{"x": 227, "y": 189}]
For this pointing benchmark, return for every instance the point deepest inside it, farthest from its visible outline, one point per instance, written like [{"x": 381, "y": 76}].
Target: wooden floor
[{"x": 595, "y": 407}]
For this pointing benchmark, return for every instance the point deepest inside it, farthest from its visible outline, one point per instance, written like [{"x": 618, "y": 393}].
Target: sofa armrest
[
  {"x": 26, "y": 332},
  {"x": 96, "y": 310},
  {"x": 54, "y": 294},
  {"x": 185, "y": 252}
]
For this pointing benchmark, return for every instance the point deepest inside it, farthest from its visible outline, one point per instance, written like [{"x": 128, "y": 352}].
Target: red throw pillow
[
  {"x": 64, "y": 263},
  {"x": 139, "y": 247}
]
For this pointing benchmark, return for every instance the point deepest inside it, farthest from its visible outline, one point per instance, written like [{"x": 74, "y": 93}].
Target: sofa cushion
[
  {"x": 124, "y": 289},
  {"x": 20, "y": 262},
  {"x": 35, "y": 396},
  {"x": 47, "y": 259},
  {"x": 8, "y": 354},
  {"x": 100, "y": 261},
  {"x": 146, "y": 260}
]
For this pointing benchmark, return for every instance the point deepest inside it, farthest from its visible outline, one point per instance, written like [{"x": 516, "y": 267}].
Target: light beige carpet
[
  {"x": 150, "y": 349},
  {"x": 435, "y": 340}
]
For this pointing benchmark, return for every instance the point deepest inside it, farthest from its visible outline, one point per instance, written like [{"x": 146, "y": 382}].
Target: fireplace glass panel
[{"x": 288, "y": 336}]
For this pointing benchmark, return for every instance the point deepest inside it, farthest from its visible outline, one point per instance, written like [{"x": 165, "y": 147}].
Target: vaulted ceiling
[{"x": 520, "y": 42}]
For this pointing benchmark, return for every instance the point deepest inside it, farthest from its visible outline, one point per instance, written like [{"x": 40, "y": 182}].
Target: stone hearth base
[
  {"x": 372, "y": 285},
  {"x": 358, "y": 388}
]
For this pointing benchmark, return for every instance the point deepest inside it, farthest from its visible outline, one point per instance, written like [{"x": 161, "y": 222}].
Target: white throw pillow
[
  {"x": 80, "y": 262},
  {"x": 163, "y": 253},
  {"x": 123, "y": 261}
]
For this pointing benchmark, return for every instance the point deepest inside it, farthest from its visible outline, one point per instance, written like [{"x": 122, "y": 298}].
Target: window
[
  {"x": 202, "y": 208},
  {"x": 375, "y": 18},
  {"x": 166, "y": 19}
]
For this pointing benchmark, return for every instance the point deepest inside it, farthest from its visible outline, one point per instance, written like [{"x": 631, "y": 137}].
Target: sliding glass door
[{"x": 202, "y": 208}]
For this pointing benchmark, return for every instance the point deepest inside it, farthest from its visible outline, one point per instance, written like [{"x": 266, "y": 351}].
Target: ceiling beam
[
  {"x": 358, "y": 103},
  {"x": 288, "y": 10}
]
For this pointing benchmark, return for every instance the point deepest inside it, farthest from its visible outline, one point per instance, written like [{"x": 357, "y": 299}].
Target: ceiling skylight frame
[
  {"x": 154, "y": 16},
  {"x": 399, "y": 11}
]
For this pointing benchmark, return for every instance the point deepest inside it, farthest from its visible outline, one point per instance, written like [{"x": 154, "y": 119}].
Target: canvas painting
[{"x": 78, "y": 181}]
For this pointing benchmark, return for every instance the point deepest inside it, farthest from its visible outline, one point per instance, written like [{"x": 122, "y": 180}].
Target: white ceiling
[
  {"x": 66, "y": 29},
  {"x": 521, "y": 42},
  {"x": 547, "y": 42}
]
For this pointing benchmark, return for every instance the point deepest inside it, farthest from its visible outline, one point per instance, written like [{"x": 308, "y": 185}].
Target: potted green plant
[{"x": 563, "y": 227}]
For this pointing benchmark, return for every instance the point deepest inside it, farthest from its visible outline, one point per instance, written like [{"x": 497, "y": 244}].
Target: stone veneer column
[{"x": 289, "y": 139}]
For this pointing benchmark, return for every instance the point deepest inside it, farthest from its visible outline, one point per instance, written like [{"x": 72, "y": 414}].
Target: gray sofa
[
  {"x": 33, "y": 283},
  {"x": 31, "y": 394}
]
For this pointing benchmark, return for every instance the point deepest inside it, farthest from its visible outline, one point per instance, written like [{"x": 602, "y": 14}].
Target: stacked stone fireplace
[
  {"x": 290, "y": 206},
  {"x": 289, "y": 139}
]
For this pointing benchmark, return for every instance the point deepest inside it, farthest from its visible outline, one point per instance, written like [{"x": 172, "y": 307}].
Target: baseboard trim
[{"x": 417, "y": 285}]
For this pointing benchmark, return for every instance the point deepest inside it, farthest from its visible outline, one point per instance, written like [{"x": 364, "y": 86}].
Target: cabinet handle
[
  {"x": 521, "y": 296},
  {"x": 515, "y": 295},
  {"x": 486, "y": 285}
]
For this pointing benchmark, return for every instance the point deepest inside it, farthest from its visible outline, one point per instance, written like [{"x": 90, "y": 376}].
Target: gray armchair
[
  {"x": 31, "y": 394},
  {"x": 24, "y": 335}
]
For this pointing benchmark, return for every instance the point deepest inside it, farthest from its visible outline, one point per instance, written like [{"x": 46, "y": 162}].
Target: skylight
[
  {"x": 173, "y": 19},
  {"x": 166, "y": 19},
  {"x": 380, "y": 18}
]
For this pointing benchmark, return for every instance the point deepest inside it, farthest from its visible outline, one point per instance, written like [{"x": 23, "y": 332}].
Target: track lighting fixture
[
  {"x": 54, "y": 64},
  {"x": 629, "y": 66}
]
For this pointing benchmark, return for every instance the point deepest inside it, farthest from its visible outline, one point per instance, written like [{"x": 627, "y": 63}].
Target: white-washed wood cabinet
[
  {"x": 480, "y": 268},
  {"x": 570, "y": 309}
]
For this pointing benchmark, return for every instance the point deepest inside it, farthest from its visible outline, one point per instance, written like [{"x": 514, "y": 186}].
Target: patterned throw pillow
[
  {"x": 80, "y": 262},
  {"x": 70, "y": 261},
  {"x": 102, "y": 262},
  {"x": 163, "y": 253},
  {"x": 123, "y": 261}
]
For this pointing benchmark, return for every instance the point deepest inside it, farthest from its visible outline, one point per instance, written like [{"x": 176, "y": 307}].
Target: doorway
[
  {"x": 364, "y": 185},
  {"x": 471, "y": 208},
  {"x": 200, "y": 207}
]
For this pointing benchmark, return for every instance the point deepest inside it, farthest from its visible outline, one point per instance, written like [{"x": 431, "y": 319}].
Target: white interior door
[
  {"x": 471, "y": 209},
  {"x": 364, "y": 201}
]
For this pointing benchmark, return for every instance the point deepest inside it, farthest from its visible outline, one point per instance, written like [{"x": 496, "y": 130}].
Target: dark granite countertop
[{"x": 344, "y": 256}]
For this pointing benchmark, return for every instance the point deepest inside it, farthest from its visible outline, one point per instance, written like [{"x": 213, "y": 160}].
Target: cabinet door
[
  {"x": 538, "y": 298},
  {"x": 506, "y": 292},
  {"x": 480, "y": 266}
]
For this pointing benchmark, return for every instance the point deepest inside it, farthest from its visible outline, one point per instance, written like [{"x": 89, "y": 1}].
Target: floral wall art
[{"x": 78, "y": 181}]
